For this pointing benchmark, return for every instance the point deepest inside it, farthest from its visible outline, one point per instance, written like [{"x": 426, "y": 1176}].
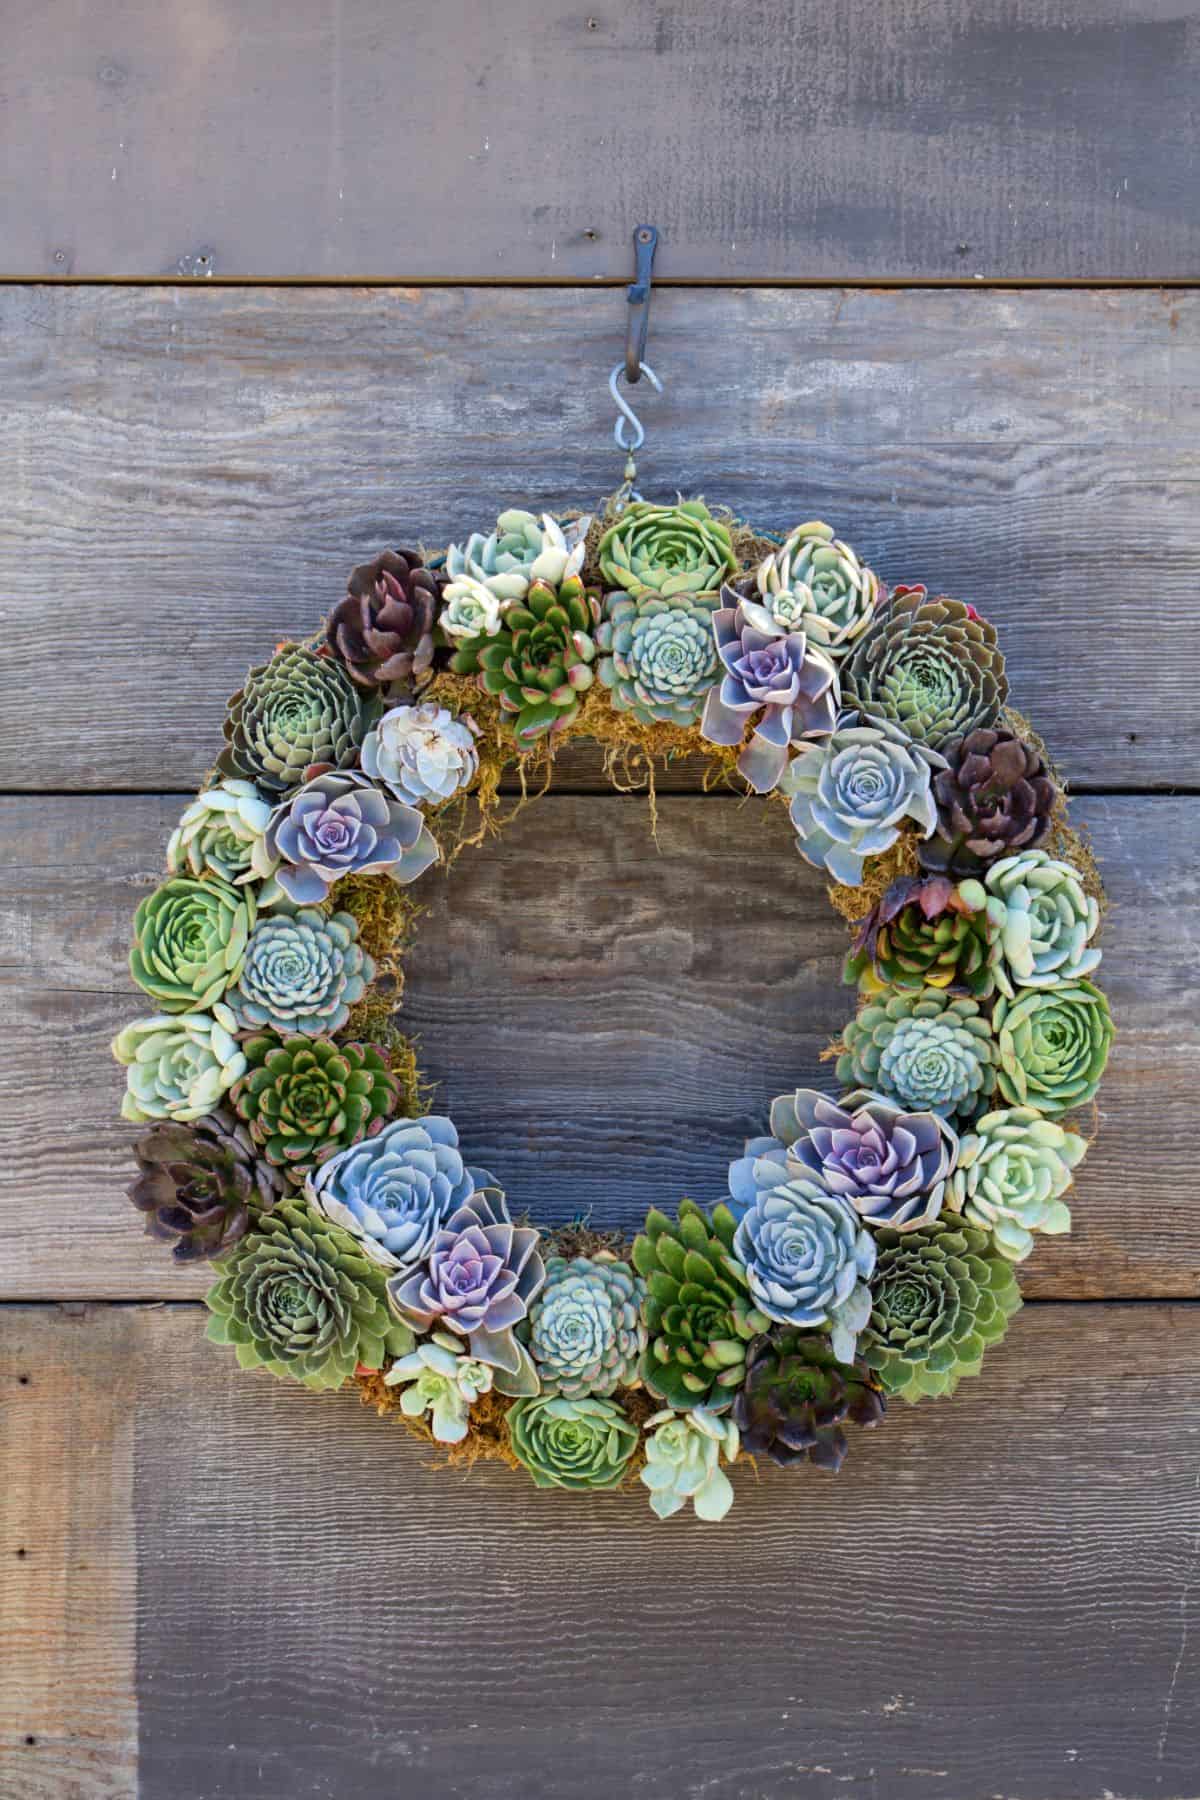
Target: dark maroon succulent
[
  {"x": 199, "y": 1184},
  {"x": 796, "y": 1398},
  {"x": 995, "y": 797},
  {"x": 383, "y": 630}
]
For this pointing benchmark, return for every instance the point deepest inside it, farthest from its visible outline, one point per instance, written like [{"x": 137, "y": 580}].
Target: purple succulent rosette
[
  {"x": 792, "y": 687},
  {"x": 397, "y": 1190},
  {"x": 340, "y": 824},
  {"x": 891, "y": 1165},
  {"x": 481, "y": 1275}
]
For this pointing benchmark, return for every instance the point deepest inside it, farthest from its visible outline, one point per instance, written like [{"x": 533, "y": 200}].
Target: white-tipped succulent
[
  {"x": 440, "y": 1380},
  {"x": 519, "y": 550},
  {"x": 223, "y": 832},
  {"x": 683, "y": 1462},
  {"x": 817, "y": 585},
  {"x": 469, "y": 609}
]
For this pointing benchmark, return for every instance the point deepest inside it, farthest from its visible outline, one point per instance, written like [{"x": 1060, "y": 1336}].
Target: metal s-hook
[
  {"x": 645, "y": 243},
  {"x": 638, "y": 438}
]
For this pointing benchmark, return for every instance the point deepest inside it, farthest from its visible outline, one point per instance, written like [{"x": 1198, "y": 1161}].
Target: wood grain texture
[
  {"x": 68, "y": 1573},
  {"x": 606, "y": 1023},
  {"x": 785, "y": 139},
  {"x": 994, "y": 1600},
  {"x": 192, "y": 474}
]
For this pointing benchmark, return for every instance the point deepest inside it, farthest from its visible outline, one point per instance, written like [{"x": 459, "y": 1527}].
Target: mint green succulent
[
  {"x": 520, "y": 550},
  {"x": 297, "y": 1297},
  {"x": 179, "y": 1066},
  {"x": 585, "y": 1328},
  {"x": 571, "y": 1443},
  {"x": 439, "y": 1380},
  {"x": 189, "y": 939},
  {"x": 931, "y": 1051},
  {"x": 817, "y": 585},
  {"x": 223, "y": 832},
  {"x": 1011, "y": 1174},
  {"x": 667, "y": 551},
  {"x": 1053, "y": 1045},
  {"x": 659, "y": 656},
  {"x": 683, "y": 1462},
  {"x": 1043, "y": 921}
]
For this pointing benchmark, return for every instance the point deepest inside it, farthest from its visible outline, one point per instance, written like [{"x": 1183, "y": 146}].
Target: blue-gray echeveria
[
  {"x": 339, "y": 824},
  {"x": 806, "y": 1254},
  {"x": 774, "y": 677},
  {"x": 852, "y": 792},
  {"x": 302, "y": 971}
]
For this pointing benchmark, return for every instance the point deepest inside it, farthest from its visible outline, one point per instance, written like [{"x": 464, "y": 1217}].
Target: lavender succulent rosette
[
  {"x": 806, "y": 1254},
  {"x": 852, "y": 792},
  {"x": 396, "y": 1191},
  {"x": 480, "y": 1277},
  {"x": 339, "y": 824},
  {"x": 775, "y": 674}
]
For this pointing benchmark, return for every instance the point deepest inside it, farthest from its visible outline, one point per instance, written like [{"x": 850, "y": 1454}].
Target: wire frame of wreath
[{"x": 868, "y": 1245}]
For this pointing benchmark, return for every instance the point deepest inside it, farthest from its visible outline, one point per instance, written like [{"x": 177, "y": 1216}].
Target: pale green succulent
[
  {"x": 667, "y": 551},
  {"x": 585, "y": 1329},
  {"x": 1012, "y": 1171},
  {"x": 222, "y": 832},
  {"x": 179, "y": 1066},
  {"x": 1053, "y": 1045},
  {"x": 817, "y": 585},
  {"x": 521, "y": 549},
  {"x": 571, "y": 1443},
  {"x": 683, "y": 1462},
  {"x": 440, "y": 1381},
  {"x": 189, "y": 941},
  {"x": 659, "y": 656},
  {"x": 1043, "y": 921}
]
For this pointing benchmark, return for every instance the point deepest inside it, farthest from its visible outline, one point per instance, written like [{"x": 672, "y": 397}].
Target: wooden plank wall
[{"x": 213, "y": 1587}]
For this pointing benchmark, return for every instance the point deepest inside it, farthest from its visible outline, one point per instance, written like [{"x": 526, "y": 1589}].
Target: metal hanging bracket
[{"x": 645, "y": 243}]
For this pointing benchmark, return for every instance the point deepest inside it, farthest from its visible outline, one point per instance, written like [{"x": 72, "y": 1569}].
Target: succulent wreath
[{"x": 868, "y": 1243}]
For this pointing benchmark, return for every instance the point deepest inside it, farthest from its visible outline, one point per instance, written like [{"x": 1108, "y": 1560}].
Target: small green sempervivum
[
  {"x": 659, "y": 656},
  {"x": 298, "y": 709},
  {"x": 519, "y": 551},
  {"x": 304, "y": 1099},
  {"x": 683, "y": 1462},
  {"x": 817, "y": 585},
  {"x": 667, "y": 551},
  {"x": 302, "y": 972},
  {"x": 199, "y": 1185},
  {"x": 1053, "y": 1045},
  {"x": 931, "y": 1051},
  {"x": 852, "y": 793},
  {"x": 925, "y": 932},
  {"x": 179, "y": 1065},
  {"x": 1042, "y": 920},
  {"x": 189, "y": 938},
  {"x": 797, "y": 1396},
  {"x": 939, "y": 1297},
  {"x": 932, "y": 667},
  {"x": 539, "y": 660},
  {"x": 698, "y": 1309},
  {"x": 585, "y": 1329},
  {"x": 223, "y": 832},
  {"x": 1012, "y": 1172},
  {"x": 297, "y": 1297},
  {"x": 440, "y": 1380},
  {"x": 564, "y": 1443}
]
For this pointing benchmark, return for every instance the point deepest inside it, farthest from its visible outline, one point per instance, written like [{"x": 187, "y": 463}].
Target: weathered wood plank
[
  {"x": 192, "y": 473},
  {"x": 606, "y": 1022},
  {"x": 1049, "y": 139},
  {"x": 884, "y": 1633},
  {"x": 68, "y": 1708}
]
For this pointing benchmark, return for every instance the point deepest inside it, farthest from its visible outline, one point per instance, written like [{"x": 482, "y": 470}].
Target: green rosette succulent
[
  {"x": 698, "y": 1310},
  {"x": 667, "y": 551},
  {"x": 931, "y": 1051},
  {"x": 303, "y": 970},
  {"x": 179, "y": 1066},
  {"x": 683, "y": 1462},
  {"x": 932, "y": 667},
  {"x": 1042, "y": 920},
  {"x": 659, "y": 656},
  {"x": 925, "y": 933},
  {"x": 294, "y": 711},
  {"x": 223, "y": 832},
  {"x": 571, "y": 1443},
  {"x": 585, "y": 1328},
  {"x": 1053, "y": 1045},
  {"x": 1011, "y": 1174},
  {"x": 189, "y": 938},
  {"x": 539, "y": 659},
  {"x": 939, "y": 1297},
  {"x": 796, "y": 1398},
  {"x": 298, "y": 1298},
  {"x": 817, "y": 585},
  {"x": 304, "y": 1099},
  {"x": 442, "y": 1383}
]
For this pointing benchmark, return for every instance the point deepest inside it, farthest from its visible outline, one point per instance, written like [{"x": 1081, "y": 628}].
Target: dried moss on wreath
[{"x": 868, "y": 1244}]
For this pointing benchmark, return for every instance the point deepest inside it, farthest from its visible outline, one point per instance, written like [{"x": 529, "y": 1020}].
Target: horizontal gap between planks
[
  {"x": 909, "y": 283},
  {"x": 78, "y": 1303},
  {"x": 570, "y": 790}
]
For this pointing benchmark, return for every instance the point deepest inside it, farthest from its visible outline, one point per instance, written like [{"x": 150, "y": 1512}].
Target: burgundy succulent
[
  {"x": 383, "y": 630},
  {"x": 791, "y": 688},
  {"x": 796, "y": 1398},
  {"x": 199, "y": 1184},
  {"x": 994, "y": 798}
]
